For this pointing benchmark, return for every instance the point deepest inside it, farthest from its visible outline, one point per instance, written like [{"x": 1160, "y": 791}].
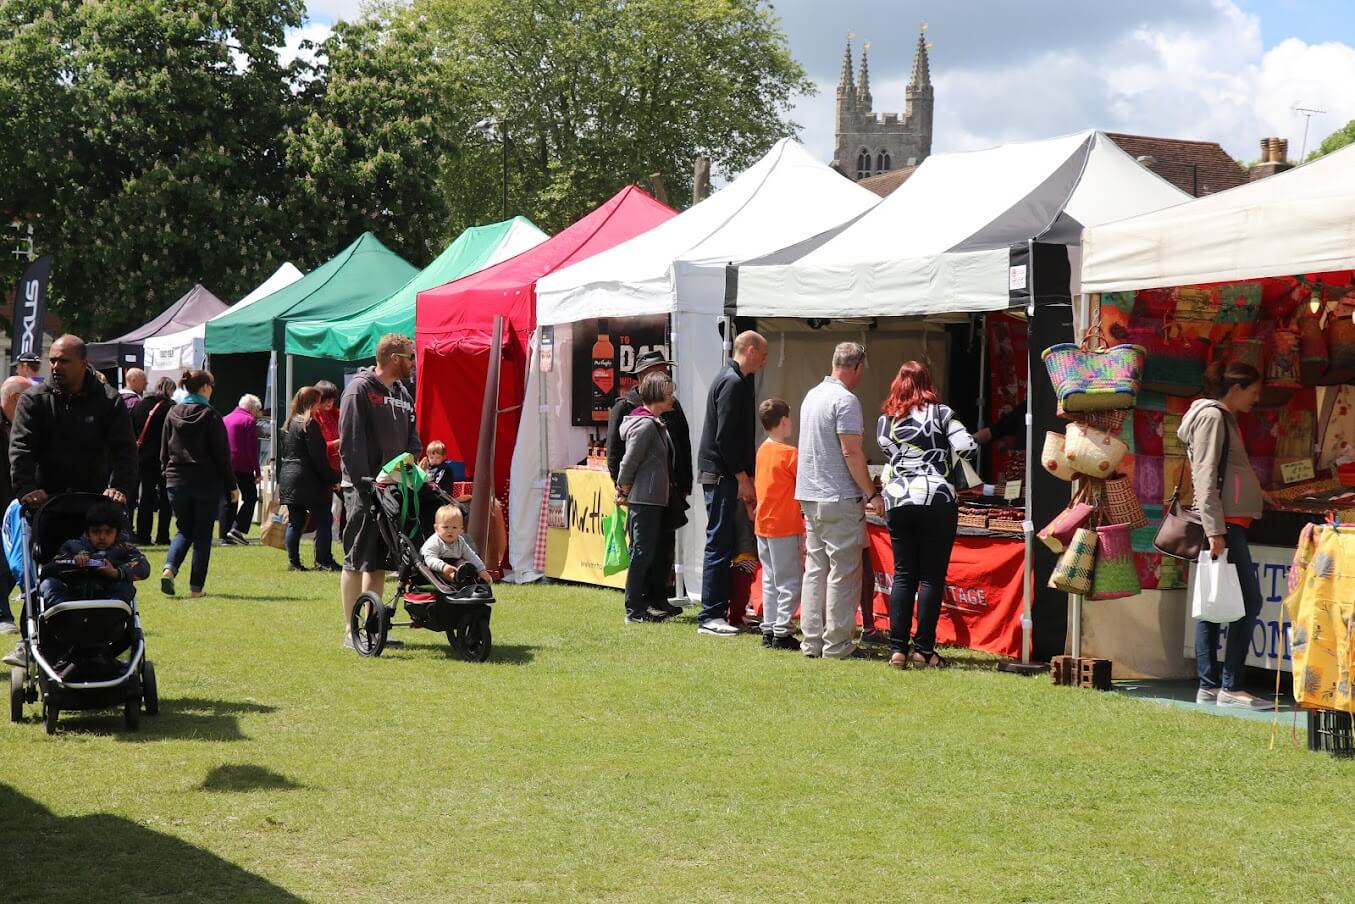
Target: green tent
[
  {"x": 345, "y": 285},
  {"x": 353, "y": 337}
]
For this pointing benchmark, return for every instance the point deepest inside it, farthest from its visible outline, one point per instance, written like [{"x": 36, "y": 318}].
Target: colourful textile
[{"x": 1322, "y": 610}]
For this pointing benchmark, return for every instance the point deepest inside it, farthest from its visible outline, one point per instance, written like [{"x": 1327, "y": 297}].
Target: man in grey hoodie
[{"x": 376, "y": 423}]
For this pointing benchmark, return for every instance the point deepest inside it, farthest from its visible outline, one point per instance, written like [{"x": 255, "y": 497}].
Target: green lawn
[{"x": 591, "y": 761}]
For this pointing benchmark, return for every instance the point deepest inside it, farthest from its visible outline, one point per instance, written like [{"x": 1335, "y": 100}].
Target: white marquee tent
[
  {"x": 677, "y": 268},
  {"x": 1299, "y": 221},
  {"x": 169, "y": 355}
]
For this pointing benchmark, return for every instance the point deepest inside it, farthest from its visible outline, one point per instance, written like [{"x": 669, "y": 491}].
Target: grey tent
[{"x": 196, "y": 306}]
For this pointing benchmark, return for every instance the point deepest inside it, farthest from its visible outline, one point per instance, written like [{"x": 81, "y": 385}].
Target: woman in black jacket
[
  {"x": 148, "y": 424},
  {"x": 197, "y": 461},
  {"x": 306, "y": 481}
]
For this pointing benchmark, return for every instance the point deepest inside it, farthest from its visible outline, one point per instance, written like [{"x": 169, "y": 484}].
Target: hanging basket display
[
  {"x": 1114, "y": 575},
  {"x": 1053, "y": 459},
  {"x": 1093, "y": 452}
]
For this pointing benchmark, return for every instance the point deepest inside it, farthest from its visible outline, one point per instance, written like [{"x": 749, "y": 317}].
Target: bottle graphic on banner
[{"x": 604, "y": 372}]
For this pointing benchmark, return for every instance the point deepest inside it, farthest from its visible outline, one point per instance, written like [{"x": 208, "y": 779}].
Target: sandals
[
  {"x": 898, "y": 661},
  {"x": 932, "y": 660}
]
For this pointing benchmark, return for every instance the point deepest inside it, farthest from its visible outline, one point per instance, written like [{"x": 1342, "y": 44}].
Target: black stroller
[
  {"x": 459, "y": 608},
  {"x": 73, "y": 648}
]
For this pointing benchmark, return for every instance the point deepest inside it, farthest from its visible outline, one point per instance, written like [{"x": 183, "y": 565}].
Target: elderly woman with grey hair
[
  {"x": 148, "y": 424},
  {"x": 644, "y": 483}
]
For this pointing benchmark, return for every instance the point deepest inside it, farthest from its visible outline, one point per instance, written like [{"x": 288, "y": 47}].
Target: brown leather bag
[{"x": 1182, "y": 532}]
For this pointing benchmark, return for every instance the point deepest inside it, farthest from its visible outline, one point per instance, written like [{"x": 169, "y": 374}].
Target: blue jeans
[
  {"x": 195, "y": 512},
  {"x": 721, "y": 501},
  {"x": 1239, "y": 632},
  {"x": 323, "y": 522}
]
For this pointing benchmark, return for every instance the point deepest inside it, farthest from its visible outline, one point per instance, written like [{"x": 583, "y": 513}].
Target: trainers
[
  {"x": 717, "y": 627},
  {"x": 234, "y": 536},
  {"x": 167, "y": 583},
  {"x": 8, "y": 627},
  {"x": 1242, "y": 700},
  {"x": 296, "y": 566},
  {"x": 785, "y": 642},
  {"x": 668, "y": 609},
  {"x": 347, "y": 643},
  {"x": 327, "y": 566},
  {"x": 642, "y": 618},
  {"x": 1209, "y": 695},
  {"x": 18, "y": 657},
  {"x": 657, "y": 613},
  {"x": 768, "y": 640},
  {"x": 874, "y": 638}
]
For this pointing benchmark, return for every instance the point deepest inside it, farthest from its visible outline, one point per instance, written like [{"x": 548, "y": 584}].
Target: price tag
[
  {"x": 1012, "y": 490},
  {"x": 1295, "y": 471}
]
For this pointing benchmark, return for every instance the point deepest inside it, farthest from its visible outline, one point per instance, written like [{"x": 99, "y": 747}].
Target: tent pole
[
  {"x": 1028, "y": 526},
  {"x": 272, "y": 446},
  {"x": 543, "y": 417},
  {"x": 1082, "y": 319},
  {"x": 679, "y": 548}
]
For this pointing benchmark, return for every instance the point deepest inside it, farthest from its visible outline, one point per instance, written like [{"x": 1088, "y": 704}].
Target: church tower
[{"x": 868, "y": 143}]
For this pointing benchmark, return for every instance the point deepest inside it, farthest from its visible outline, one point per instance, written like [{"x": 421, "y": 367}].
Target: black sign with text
[
  {"x": 30, "y": 305},
  {"x": 604, "y": 361}
]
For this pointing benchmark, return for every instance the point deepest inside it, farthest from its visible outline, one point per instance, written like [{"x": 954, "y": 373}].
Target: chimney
[{"x": 1274, "y": 159}]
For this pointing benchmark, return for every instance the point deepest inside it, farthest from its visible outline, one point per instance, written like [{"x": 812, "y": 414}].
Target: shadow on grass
[
  {"x": 104, "y": 857},
  {"x": 500, "y": 654},
  {"x": 247, "y": 777},
  {"x": 180, "y": 718},
  {"x": 255, "y": 598}
]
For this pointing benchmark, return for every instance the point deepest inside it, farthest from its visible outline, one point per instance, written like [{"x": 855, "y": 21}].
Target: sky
[{"x": 1230, "y": 71}]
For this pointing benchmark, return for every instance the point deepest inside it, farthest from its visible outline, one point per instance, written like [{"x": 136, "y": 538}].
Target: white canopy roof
[
  {"x": 170, "y": 354},
  {"x": 784, "y": 198},
  {"x": 1299, "y": 221},
  {"x": 940, "y": 242}
]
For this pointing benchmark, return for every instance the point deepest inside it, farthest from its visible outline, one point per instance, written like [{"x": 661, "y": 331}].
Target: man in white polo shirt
[{"x": 835, "y": 490}]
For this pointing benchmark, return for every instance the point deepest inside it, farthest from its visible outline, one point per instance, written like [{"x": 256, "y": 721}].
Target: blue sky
[{"x": 1218, "y": 70}]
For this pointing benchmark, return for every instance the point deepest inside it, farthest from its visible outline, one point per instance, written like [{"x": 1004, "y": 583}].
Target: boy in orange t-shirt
[{"x": 779, "y": 526}]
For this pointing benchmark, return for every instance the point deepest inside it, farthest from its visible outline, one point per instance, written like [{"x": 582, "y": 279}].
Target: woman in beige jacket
[{"x": 1228, "y": 497}]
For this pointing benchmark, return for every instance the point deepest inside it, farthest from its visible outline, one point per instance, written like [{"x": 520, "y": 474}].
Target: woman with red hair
[{"x": 921, "y": 438}]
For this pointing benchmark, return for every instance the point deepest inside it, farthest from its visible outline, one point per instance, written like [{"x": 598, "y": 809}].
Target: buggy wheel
[
  {"x": 150, "y": 692},
  {"x": 368, "y": 624},
  {"x": 50, "y": 714},
  {"x": 16, "y": 695},
  {"x": 471, "y": 639},
  {"x": 131, "y": 707}
]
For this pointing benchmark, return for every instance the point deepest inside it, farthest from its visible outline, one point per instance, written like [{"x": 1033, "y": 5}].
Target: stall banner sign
[
  {"x": 30, "y": 306},
  {"x": 575, "y": 552},
  {"x": 604, "y": 353},
  {"x": 1269, "y": 647}
]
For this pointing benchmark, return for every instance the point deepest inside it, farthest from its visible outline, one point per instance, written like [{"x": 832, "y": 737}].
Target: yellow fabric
[{"x": 1322, "y": 609}]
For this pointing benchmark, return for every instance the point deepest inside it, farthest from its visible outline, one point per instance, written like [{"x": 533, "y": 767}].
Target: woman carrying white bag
[{"x": 1225, "y": 514}]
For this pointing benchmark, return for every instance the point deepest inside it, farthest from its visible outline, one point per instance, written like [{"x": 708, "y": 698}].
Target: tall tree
[
  {"x": 148, "y": 154},
  {"x": 1335, "y": 141},
  {"x": 597, "y": 93}
]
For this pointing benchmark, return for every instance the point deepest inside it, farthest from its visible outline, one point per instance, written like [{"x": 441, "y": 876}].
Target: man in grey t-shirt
[{"x": 835, "y": 490}]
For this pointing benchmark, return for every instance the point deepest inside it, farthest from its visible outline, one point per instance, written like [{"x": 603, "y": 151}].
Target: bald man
[
  {"x": 133, "y": 387},
  {"x": 725, "y": 470}
]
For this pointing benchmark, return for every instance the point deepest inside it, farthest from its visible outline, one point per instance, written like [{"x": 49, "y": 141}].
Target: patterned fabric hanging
[{"x": 1322, "y": 609}]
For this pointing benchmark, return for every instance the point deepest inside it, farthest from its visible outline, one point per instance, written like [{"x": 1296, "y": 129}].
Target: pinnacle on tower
[
  {"x": 845, "y": 83},
  {"x": 863, "y": 83},
  {"x": 922, "y": 70}
]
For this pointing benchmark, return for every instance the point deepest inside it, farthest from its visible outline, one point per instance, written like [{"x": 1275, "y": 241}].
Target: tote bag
[
  {"x": 1218, "y": 592},
  {"x": 274, "y": 532},
  {"x": 616, "y": 554}
]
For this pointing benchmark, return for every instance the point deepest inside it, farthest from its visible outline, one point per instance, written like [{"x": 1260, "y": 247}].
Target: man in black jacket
[
  {"x": 71, "y": 433},
  {"x": 681, "y": 435},
  {"x": 725, "y": 468}
]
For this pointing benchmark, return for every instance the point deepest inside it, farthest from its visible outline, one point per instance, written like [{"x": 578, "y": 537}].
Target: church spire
[
  {"x": 922, "y": 70},
  {"x": 863, "y": 83},
  {"x": 845, "y": 85}
]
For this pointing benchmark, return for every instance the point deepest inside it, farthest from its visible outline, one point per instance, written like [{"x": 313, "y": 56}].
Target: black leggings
[{"x": 922, "y": 537}]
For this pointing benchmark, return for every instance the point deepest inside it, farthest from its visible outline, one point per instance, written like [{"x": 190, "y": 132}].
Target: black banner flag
[{"x": 30, "y": 306}]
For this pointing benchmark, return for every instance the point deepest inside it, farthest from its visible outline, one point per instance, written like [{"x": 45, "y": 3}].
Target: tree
[
  {"x": 1335, "y": 141},
  {"x": 148, "y": 154},
  {"x": 599, "y": 93}
]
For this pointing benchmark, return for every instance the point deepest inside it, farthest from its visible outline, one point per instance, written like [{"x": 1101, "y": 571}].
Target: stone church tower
[{"x": 867, "y": 143}]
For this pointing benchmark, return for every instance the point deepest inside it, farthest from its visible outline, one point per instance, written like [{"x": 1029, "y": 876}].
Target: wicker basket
[{"x": 973, "y": 517}]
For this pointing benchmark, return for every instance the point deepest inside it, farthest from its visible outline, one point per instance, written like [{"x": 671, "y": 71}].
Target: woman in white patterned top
[{"x": 921, "y": 438}]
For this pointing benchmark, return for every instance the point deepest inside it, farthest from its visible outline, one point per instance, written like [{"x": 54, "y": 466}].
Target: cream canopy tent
[
  {"x": 1299, "y": 221},
  {"x": 677, "y": 268},
  {"x": 169, "y": 355}
]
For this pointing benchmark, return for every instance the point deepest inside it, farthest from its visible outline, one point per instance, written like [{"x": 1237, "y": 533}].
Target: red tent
[{"x": 454, "y": 325}]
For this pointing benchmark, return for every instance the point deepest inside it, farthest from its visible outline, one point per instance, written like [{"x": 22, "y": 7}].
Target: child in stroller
[
  {"x": 447, "y": 548},
  {"x": 97, "y": 564}
]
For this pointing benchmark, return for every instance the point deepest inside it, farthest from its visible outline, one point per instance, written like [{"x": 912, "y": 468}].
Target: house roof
[
  {"x": 883, "y": 184},
  {"x": 1196, "y": 167}
]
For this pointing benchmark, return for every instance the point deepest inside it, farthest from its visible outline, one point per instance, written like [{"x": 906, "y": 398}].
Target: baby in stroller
[
  {"x": 96, "y": 565},
  {"x": 446, "y": 551}
]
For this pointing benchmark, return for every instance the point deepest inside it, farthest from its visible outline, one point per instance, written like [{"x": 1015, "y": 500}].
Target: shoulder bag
[{"x": 1182, "y": 532}]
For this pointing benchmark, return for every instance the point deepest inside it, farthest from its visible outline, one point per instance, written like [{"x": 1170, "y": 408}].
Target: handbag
[
  {"x": 1087, "y": 376},
  {"x": 1217, "y": 595},
  {"x": 141, "y": 437},
  {"x": 274, "y": 532},
  {"x": 1057, "y": 534},
  {"x": 1093, "y": 452},
  {"x": 1114, "y": 575},
  {"x": 1073, "y": 572},
  {"x": 1181, "y": 534},
  {"x": 1122, "y": 504},
  {"x": 1053, "y": 458}
]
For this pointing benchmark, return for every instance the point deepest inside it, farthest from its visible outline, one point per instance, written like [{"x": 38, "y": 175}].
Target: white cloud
[{"x": 311, "y": 31}]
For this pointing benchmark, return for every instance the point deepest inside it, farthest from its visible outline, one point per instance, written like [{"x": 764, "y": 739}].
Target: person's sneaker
[
  {"x": 327, "y": 566},
  {"x": 296, "y": 566},
  {"x": 643, "y": 618},
  {"x": 717, "y": 627},
  {"x": 18, "y": 657},
  {"x": 768, "y": 640},
  {"x": 786, "y": 642},
  {"x": 874, "y": 638},
  {"x": 668, "y": 609},
  {"x": 1242, "y": 700},
  {"x": 347, "y": 643},
  {"x": 657, "y": 614},
  {"x": 1207, "y": 695},
  {"x": 166, "y": 583},
  {"x": 234, "y": 536},
  {"x": 8, "y": 627}
]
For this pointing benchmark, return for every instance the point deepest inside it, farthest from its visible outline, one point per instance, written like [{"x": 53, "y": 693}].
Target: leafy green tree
[
  {"x": 1335, "y": 141},
  {"x": 142, "y": 140}
]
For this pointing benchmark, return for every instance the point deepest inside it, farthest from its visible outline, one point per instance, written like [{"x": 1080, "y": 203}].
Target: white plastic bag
[{"x": 1218, "y": 592}]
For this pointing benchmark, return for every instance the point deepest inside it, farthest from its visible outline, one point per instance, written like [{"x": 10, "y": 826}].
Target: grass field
[{"x": 591, "y": 761}]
